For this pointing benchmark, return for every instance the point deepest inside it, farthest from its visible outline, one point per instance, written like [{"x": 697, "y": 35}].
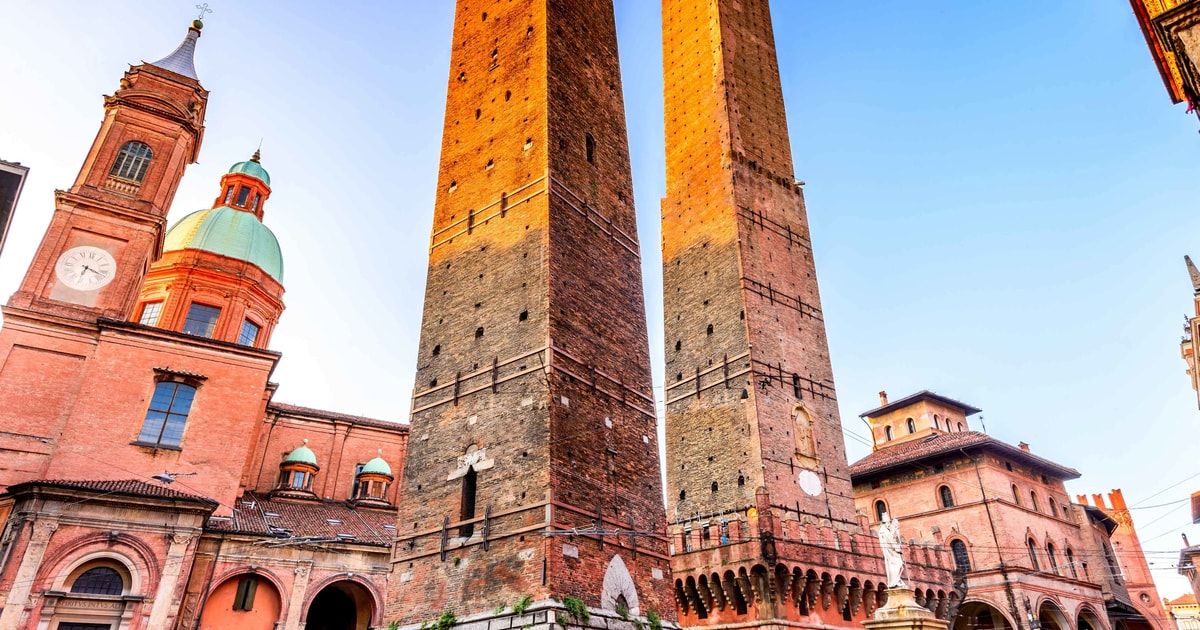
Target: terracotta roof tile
[
  {"x": 127, "y": 487},
  {"x": 325, "y": 521},
  {"x": 1187, "y": 599},
  {"x": 941, "y": 443},
  {"x": 286, "y": 409}
]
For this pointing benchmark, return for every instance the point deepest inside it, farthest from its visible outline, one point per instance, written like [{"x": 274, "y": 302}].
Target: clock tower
[{"x": 108, "y": 227}]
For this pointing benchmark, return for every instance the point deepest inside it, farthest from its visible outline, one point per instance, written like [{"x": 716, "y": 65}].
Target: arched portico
[
  {"x": 980, "y": 615},
  {"x": 1052, "y": 617},
  {"x": 341, "y": 605}
]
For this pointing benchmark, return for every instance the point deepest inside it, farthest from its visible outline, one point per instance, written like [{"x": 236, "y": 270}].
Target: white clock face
[{"x": 86, "y": 268}]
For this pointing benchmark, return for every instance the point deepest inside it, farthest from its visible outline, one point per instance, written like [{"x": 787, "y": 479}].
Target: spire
[
  {"x": 1194, "y": 273},
  {"x": 181, "y": 60}
]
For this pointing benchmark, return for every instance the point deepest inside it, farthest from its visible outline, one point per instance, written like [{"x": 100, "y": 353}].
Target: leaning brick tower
[
  {"x": 533, "y": 464},
  {"x": 760, "y": 505}
]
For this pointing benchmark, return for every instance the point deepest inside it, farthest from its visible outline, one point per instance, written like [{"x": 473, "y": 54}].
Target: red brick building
[
  {"x": 1027, "y": 556},
  {"x": 148, "y": 479}
]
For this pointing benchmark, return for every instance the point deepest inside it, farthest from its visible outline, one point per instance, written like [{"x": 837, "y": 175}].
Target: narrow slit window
[
  {"x": 228, "y": 195},
  {"x": 590, "y": 145},
  {"x": 244, "y": 600},
  {"x": 467, "y": 508}
]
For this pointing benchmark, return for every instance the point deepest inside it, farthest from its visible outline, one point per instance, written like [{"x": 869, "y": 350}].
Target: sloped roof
[
  {"x": 924, "y": 394},
  {"x": 259, "y": 514},
  {"x": 181, "y": 60},
  {"x": 124, "y": 487},
  {"x": 297, "y": 410},
  {"x": 230, "y": 232},
  {"x": 906, "y": 453},
  {"x": 1186, "y": 599}
]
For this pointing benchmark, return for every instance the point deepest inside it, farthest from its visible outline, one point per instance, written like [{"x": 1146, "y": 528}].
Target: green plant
[
  {"x": 499, "y": 609},
  {"x": 576, "y": 608},
  {"x": 653, "y": 620},
  {"x": 393, "y": 625},
  {"x": 445, "y": 622},
  {"x": 622, "y": 611},
  {"x": 519, "y": 607}
]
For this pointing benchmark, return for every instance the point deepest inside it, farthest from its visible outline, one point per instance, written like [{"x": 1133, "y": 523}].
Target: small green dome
[
  {"x": 302, "y": 455},
  {"x": 253, "y": 169},
  {"x": 377, "y": 466},
  {"x": 229, "y": 232}
]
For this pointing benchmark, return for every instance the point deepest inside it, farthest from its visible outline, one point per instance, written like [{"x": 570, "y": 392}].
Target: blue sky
[{"x": 1000, "y": 194}]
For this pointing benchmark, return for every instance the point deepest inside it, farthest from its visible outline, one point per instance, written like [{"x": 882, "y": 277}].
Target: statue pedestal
[{"x": 903, "y": 613}]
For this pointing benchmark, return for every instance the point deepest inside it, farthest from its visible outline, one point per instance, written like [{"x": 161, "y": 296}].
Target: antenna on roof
[{"x": 982, "y": 423}]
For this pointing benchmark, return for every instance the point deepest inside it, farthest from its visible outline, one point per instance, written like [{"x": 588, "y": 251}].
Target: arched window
[
  {"x": 960, "y": 426},
  {"x": 912, "y": 426},
  {"x": 946, "y": 496},
  {"x": 1033, "y": 555},
  {"x": 936, "y": 423},
  {"x": 132, "y": 160},
  {"x": 1033, "y": 502},
  {"x": 880, "y": 510},
  {"x": 1052, "y": 557},
  {"x": 1071, "y": 563},
  {"x": 99, "y": 581},
  {"x": 1053, "y": 508},
  {"x": 167, "y": 414},
  {"x": 887, "y": 433},
  {"x": 1016, "y": 495},
  {"x": 962, "y": 561}
]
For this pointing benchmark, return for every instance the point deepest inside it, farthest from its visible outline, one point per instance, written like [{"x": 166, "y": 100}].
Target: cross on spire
[{"x": 203, "y": 9}]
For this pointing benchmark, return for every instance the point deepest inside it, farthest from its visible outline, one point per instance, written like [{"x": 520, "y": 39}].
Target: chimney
[
  {"x": 1024, "y": 446},
  {"x": 882, "y": 398}
]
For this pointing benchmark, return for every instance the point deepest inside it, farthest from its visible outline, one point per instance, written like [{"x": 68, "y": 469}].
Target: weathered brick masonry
[
  {"x": 533, "y": 409},
  {"x": 759, "y": 499}
]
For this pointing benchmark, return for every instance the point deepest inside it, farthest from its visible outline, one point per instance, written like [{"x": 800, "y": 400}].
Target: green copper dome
[
  {"x": 303, "y": 455},
  {"x": 229, "y": 232},
  {"x": 253, "y": 169},
  {"x": 378, "y": 466}
]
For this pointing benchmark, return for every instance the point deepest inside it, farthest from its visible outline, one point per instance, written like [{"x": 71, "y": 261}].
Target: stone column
[
  {"x": 31, "y": 562},
  {"x": 902, "y": 613},
  {"x": 296, "y": 603},
  {"x": 165, "y": 593}
]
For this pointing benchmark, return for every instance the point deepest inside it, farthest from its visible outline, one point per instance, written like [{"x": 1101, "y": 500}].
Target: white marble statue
[{"x": 893, "y": 559}]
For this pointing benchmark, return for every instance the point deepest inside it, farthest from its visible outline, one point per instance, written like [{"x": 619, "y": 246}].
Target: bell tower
[
  {"x": 108, "y": 227},
  {"x": 533, "y": 467}
]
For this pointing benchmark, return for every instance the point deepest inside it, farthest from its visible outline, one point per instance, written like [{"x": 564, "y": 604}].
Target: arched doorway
[
  {"x": 980, "y": 616},
  {"x": 1052, "y": 617},
  {"x": 340, "y": 606},
  {"x": 245, "y": 601},
  {"x": 1088, "y": 620}
]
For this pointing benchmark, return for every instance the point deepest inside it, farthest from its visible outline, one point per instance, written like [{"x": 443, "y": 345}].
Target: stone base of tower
[{"x": 552, "y": 614}]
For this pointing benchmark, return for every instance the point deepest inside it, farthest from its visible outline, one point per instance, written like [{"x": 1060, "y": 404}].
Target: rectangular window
[
  {"x": 243, "y": 194},
  {"x": 244, "y": 600},
  {"x": 228, "y": 195},
  {"x": 257, "y": 200},
  {"x": 150, "y": 313},
  {"x": 298, "y": 480},
  {"x": 201, "y": 320},
  {"x": 357, "y": 471},
  {"x": 249, "y": 333},
  {"x": 167, "y": 414}
]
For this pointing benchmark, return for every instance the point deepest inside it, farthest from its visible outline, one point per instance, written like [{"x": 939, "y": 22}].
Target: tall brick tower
[
  {"x": 533, "y": 412},
  {"x": 759, "y": 498}
]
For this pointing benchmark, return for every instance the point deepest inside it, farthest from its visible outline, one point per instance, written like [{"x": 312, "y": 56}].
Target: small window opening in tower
[
  {"x": 243, "y": 194},
  {"x": 485, "y": 16},
  {"x": 742, "y": 315},
  {"x": 490, "y": 165},
  {"x": 741, "y": 480},
  {"x": 678, "y": 346},
  {"x": 467, "y": 507},
  {"x": 453, "y": 187},
  {"x": 960, "y": 428},
  {"x": 437, "y": 350},
  {"x": 257, "y": 200},
  {"x": 880, "y": 510},
  {"x": 478, "y": 113},
  {"x": 682, "y": 495},
  {"x": 507, "y": 94},
  {"x": 228, "y": 195},
  {"x": 710, "y": 329},
  {"x": 714, "y": 487},
  {"x": 590, "y": 144},
  {"x": 912, "y": 426},
  {"x": 796, "y": 385},
  {"x": 887, "y": 433},
  {"x": 523, "y": 316},
  {"x": 479, "y": 332}
]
